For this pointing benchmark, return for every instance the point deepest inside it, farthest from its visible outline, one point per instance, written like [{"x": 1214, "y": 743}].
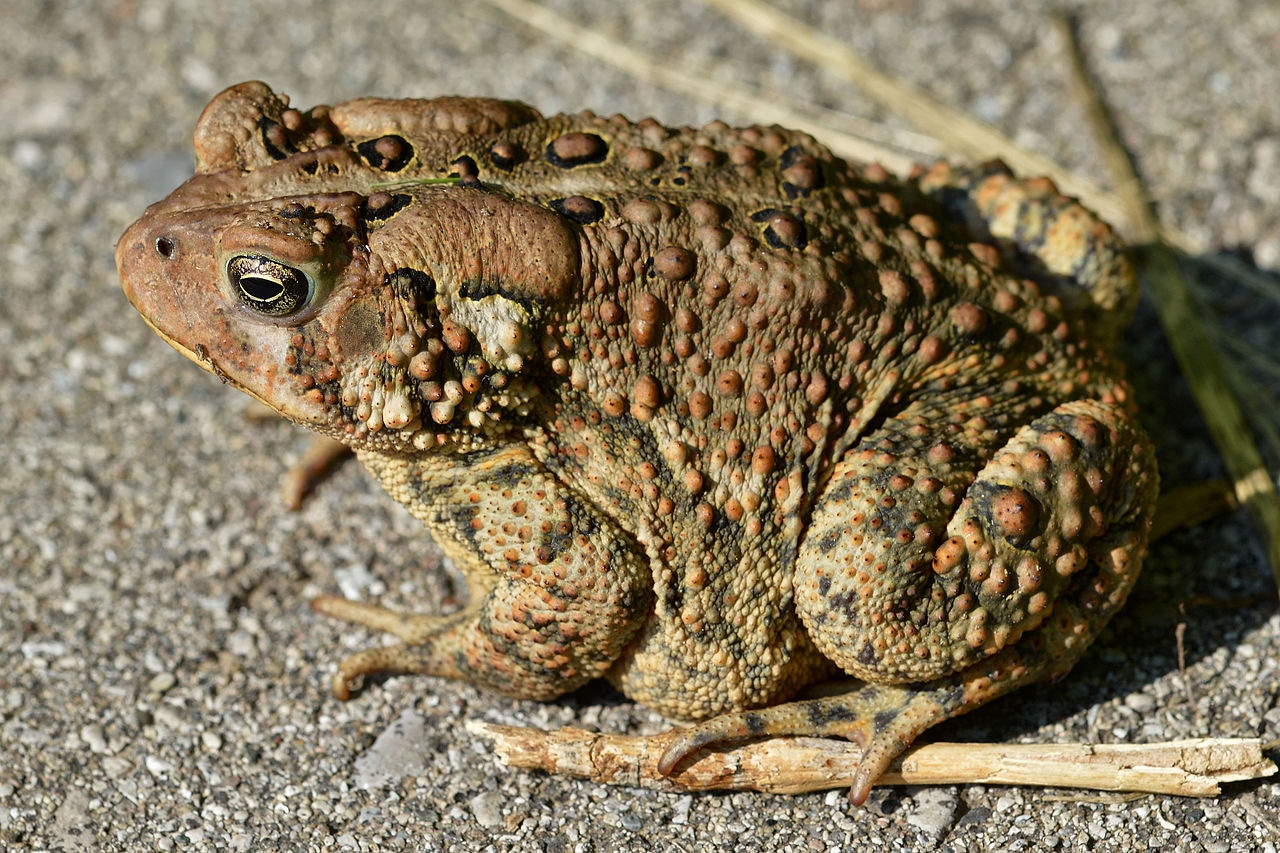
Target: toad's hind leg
[{"x": 942, "y": 605}]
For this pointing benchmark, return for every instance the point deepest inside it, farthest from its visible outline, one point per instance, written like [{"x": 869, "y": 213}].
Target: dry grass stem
[
  {"x": 1204, "y": 366},
  {"x": 1188, "y": 506},
  {"x": 960, "y": 133},
  {"x": 1193, "y": 768},
  {"x": 698, "y": 83}
]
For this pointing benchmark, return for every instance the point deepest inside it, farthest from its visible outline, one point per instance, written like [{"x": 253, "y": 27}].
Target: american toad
[{"x": 708, "y": 413}]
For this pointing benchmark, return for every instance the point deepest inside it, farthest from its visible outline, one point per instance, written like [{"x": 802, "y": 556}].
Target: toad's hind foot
[{"x": 881, "y": 720}]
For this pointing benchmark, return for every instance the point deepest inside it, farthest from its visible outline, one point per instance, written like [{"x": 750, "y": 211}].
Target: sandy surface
[{"x": 164, "y": 684}]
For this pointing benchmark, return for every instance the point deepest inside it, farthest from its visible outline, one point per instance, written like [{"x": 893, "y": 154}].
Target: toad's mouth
[{"x": 199, "y": 354}]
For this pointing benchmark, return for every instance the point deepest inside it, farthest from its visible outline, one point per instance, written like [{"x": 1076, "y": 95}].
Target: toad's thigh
[{"x": 917, "y": 566}]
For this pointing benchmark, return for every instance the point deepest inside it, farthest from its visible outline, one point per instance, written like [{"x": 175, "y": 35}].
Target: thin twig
[
  {"x": 1192, "y": 344},
  {"x": 1192, "y": 768},
  {"x": 321, "y": 456}
]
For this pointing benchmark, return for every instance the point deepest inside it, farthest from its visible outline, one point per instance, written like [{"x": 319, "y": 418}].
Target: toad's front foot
[{"x": 415, "y": 654}]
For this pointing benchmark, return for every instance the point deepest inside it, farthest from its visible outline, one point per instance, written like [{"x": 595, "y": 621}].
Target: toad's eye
[{"x": 269, "y": 287}]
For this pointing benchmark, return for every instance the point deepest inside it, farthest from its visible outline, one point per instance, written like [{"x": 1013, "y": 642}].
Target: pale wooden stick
[{"x": 1192, "y": 768}]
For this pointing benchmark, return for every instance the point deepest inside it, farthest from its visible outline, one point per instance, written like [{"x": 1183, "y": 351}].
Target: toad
[{"x": 709, "y": 413}]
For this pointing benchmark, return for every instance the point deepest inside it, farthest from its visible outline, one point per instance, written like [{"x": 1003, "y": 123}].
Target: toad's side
[{"x": 709, "y": 413}]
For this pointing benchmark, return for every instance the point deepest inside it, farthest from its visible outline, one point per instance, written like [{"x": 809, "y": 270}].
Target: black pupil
[{"x": 260, "y": 289}]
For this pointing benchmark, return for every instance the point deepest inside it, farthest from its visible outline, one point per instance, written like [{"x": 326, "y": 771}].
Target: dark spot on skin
[
  {"x": 829, "y": 541},
  {"x": 824, "y": 713},
  {"x": 783, "y": 230},
  {"x": 884, "y": 719},
  {"x": 387, "y": 153},
  {"x": 507, "y": 475},
  {"x": 477, "y": 290},
  {"x": 793, "y": 192},
  {"x": 867, "y": 655},
  {"x": 846, "y": 603},
  {"x": 311, "y": 168},
  {"x": 672, "y": 599},
  {"x": 459, "y": 515},
  {"x": 824, "y": 586},
  {"x": 755, "y": 725},
  {"x": 576, "y": 149},
  {"x": 382, "y": 206},
  {"x": 506, "y": 155},
  {"x": 468, "y": 172},
  {"x": 411, "y": 282},
  {"x": 579, "y": 209},
  {"x": 790, "y": 157},
  {"x": 272, "y": 130},
  {"x": 801, "y": 172}
]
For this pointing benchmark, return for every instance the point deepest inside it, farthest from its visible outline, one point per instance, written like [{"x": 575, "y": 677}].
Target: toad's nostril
[{"x": 165, "y": 247}]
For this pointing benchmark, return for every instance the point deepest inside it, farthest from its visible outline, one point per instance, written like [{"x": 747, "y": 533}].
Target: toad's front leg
[{"x": 557, "y": 589}]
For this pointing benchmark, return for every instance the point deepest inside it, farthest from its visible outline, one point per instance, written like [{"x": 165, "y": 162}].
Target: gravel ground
[{"x": 164, "y": 684}]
